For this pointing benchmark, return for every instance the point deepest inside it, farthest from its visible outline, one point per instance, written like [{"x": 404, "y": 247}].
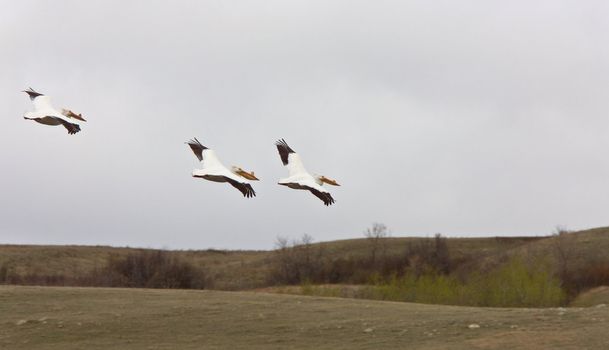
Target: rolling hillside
[{"x": 232, "y": 270}]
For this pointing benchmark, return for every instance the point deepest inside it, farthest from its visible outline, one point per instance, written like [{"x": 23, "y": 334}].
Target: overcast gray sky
[{"x": 467, "y": 118}]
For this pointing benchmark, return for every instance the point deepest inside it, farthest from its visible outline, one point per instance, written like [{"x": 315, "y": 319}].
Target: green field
[{"x": 100, "y": 318}]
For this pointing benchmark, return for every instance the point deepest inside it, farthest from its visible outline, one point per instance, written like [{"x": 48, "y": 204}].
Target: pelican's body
[
  {"x": 299, "y": 178},
  {"x": 213, "y": 170},
  {"x": 45, "y": 113}
]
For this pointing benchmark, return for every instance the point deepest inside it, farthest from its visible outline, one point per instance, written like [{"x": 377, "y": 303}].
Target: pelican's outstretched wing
[
  {"x": 290, "y": 158},
  {"x": 42, "y": 103}
]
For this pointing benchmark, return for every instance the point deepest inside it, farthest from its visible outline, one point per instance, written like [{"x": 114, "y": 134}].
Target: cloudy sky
[{"x": 467, "y": 118}]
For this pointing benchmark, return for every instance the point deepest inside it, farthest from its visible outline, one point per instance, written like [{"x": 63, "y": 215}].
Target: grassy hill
[
  {"x": 578, "y": 258},
  {"x": 102, "y": 318},
  {"x": 232, "y": 270}
]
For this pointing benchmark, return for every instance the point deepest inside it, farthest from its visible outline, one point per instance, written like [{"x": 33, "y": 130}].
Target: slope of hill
[{"x": 598, "y": 297}]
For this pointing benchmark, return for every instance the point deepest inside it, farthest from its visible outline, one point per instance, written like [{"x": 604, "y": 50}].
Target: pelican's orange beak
[
  {"x": 79, "y": 117},
  {"x": 68, "y": 113},
  {"x": 329, "y": 181},
  {"x": 249, "y": 176}
]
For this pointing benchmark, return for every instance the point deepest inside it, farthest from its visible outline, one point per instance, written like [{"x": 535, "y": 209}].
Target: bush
[
  {"x": 514, "y": 284},
  {"x": 593, "y": 274},
  {"x": 149, "y": 269},
  {"x": 3, "y": 273},
  {"x": 295, "y": 262}
]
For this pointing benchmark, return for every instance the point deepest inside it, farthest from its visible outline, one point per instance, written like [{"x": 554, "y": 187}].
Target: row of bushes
[
  {"x": 299, "y": 261},
  {"x": 141, "y": 269}
]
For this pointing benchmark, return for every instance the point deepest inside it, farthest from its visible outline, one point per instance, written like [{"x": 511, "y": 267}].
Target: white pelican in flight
[
  {"x": 44, "y": 113},
  {"x": 214, "y": 170},
  {"x": 298, "y": 177}
]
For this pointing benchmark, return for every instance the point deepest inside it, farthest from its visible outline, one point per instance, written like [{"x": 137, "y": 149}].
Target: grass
[{"x": 98, "y": 318}]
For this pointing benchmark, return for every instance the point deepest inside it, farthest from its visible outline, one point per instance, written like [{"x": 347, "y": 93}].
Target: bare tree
[
  {"x": 284, "y": 256},
  {"x": 281, "y": 243},
  {"x": 306, "y": 239},
  {"x": 564, "y": 246},
  {"x": 305, "y": 256},
  {"x": 375, "y": 235}
]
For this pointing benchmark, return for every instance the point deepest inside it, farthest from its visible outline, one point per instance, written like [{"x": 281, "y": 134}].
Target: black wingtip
[
  {"x": 33, "y": 94},
  {"x": 72, "y": 128},
  {"x": 249, "y": 193},
  {"x": 282, "y": 143},
  {"x": 284, "y": 150},
  {"x": 197, "y": 148},
  {"x": 195, "y": 142}
]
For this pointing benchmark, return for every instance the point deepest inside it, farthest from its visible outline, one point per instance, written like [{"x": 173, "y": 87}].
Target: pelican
[
  {"x": 214, "y": 170},
  {"x": 298, "y": 177},
  {"x": 44, "y": 113}
]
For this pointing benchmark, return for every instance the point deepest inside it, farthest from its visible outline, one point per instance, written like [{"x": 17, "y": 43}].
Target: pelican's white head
[{"x": 239, "y": 171}]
